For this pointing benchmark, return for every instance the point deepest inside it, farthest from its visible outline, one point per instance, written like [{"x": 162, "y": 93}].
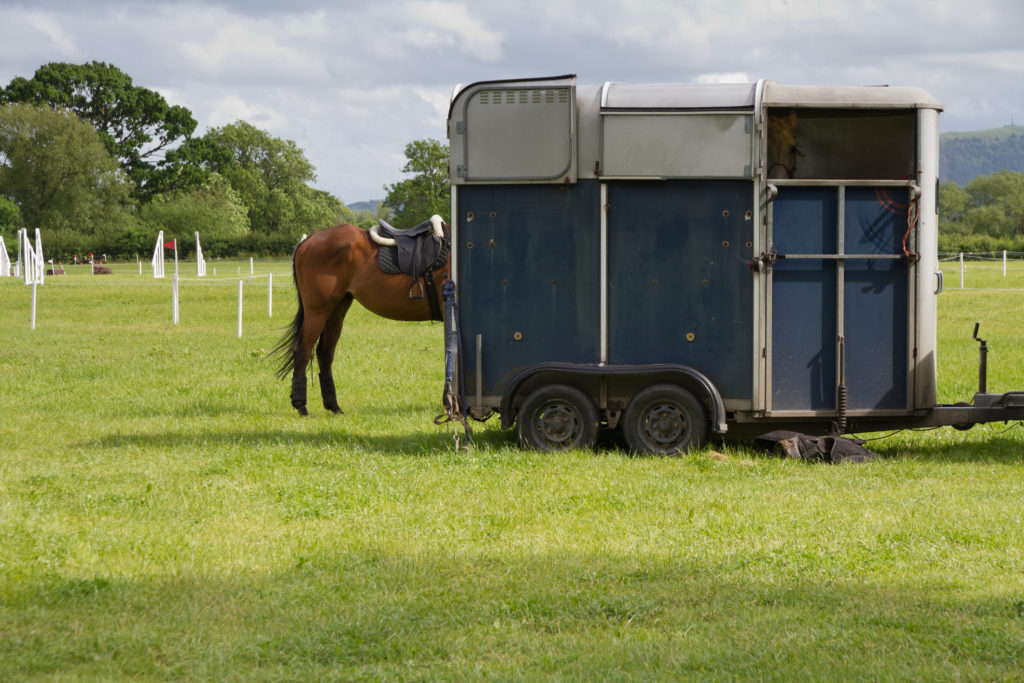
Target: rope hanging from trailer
[
  {"x": 452, "y": 393},
  {"x": 913, "y": 211}
]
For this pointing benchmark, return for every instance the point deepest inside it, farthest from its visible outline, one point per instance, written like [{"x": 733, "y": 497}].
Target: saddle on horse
[{"x": 417, "y": 252}]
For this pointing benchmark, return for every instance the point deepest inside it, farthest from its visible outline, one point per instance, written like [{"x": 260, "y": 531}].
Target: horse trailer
[{"x": 688, "y": 260}]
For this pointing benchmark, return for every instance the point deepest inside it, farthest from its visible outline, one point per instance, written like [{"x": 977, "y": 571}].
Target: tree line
[
  {"x": 100, "y": 164},
  {"x": 986, "y": 214}
]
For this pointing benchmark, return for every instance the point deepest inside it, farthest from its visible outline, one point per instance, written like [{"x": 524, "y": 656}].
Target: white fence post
[
  {"x": 34, "y": 286},
  {"x": 5, "y": 260},
  {"x": 961, "y": 270},
  {"x": 270, "y": 295},
  {"x": 1004, "y": 263},
  {"x": 174, "y": 297},
  {"x": 200, "y": 261},
  {"x": 40, "y": 264},
  {"x": 18, "y": 264},
  {"x": 30, "y": 259},
  {"x": 158, "y": 256},
  {"x": 239, "y": 309}
]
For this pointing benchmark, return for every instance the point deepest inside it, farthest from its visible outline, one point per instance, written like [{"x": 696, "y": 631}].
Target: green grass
[{"x": 165, "y": 514}]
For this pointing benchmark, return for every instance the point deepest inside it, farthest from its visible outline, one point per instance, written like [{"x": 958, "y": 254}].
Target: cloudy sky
[{"x": 352, "y": 82}]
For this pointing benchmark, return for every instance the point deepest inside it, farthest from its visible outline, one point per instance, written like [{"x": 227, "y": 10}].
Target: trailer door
[{"x": 840, "y": 299}]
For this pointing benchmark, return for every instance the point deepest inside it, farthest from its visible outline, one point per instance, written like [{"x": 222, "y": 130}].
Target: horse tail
[{"x": 285, "y": 348}]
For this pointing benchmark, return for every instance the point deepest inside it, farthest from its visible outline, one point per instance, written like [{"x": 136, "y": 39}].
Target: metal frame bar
[{"x": 604, "y": 274}]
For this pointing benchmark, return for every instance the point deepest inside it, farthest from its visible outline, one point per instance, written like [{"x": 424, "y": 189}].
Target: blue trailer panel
[
  {"x": 528, "y": 270},
  {"x": 679, "y": 278}
]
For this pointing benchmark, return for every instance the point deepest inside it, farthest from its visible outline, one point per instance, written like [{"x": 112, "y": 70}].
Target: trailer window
[{"x": 853, "y": 144}]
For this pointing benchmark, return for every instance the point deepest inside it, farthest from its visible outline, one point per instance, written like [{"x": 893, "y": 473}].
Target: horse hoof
[
  {"x": 302, "y": 411},
  {"x": 336, "y": 410}
]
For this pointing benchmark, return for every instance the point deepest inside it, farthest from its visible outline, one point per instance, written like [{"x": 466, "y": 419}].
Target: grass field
[{"x": 165, "y": 514}]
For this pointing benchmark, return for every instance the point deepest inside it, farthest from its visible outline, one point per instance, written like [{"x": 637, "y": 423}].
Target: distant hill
[
  {"x": 370, "y": 205},
  {"x": 965, "y": 156}
]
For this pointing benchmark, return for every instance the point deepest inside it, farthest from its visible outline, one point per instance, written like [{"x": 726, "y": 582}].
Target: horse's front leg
[{"x": 325, "y": 354}]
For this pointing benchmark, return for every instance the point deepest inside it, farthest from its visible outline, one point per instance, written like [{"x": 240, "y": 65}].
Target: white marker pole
[
  {"x": 270, "y": 295},
  {"x": 239, "y": 309},
  {"x": 1004, "y": 263},
  {"x": 34, "y": 284},
  {"x": 252, "y": 270},
  {"x": 174, "y": 297},
  {"x": 961, "y": 270}
]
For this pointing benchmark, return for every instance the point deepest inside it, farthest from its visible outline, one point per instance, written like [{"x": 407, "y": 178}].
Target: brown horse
[
  {"x": 782, "y": 149},
  {"x": 332, "y": 268}
]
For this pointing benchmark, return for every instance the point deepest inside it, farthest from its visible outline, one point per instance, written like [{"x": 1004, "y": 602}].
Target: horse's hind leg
[
  {"x": 325, "y": 353},
  {"x": 302, "y": 350}
]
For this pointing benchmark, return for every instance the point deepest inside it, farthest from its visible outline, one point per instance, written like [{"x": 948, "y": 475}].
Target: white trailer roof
[
  {"x": 847, "y": 97},
  {"x": 677, "y": 96},
  {"x": 668, "y": 96}
]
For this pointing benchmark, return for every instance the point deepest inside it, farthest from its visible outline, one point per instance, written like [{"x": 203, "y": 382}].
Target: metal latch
[{"x": 765, "y": 260}]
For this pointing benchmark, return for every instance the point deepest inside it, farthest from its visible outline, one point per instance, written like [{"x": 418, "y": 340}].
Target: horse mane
[{"x": 782, "y": 149}]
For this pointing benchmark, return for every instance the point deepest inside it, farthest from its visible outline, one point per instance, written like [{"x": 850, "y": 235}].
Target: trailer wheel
[
  {"x": 557, "y": 417},
  {"x": 665, "y": 419}
]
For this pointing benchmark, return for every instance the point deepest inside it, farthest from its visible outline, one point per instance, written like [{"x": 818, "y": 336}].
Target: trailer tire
[
  {"x": 557, "y": 417},
  {"x": 665, "y": 419}
]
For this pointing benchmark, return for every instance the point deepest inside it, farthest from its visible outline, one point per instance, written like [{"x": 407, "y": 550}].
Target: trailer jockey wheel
[
  {"x": 664, "y": 419},
  {"x": 557, "y": 417}
]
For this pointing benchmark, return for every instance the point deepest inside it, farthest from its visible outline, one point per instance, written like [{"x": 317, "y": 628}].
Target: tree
[
  {"x": 415, "y": 199},
  {"x": 55, "y": 168},
  {"x": 136, "y": 124},
  {"x": 1003, "y": 192},
  {"x": 214, "y": 210},
  {"x": 10, "y": 220},
  {"x": 270, "y": 176}
]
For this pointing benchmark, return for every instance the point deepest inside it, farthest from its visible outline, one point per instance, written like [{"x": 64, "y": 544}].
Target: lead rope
[{"x": 452, "y": 368}]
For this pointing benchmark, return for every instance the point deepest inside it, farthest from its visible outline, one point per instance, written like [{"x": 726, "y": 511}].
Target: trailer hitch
[{"x": 982, "y": 361}]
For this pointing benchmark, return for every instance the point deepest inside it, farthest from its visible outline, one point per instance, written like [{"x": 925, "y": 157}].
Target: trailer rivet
[
  {"x": 725, "y": 214},
  {"x": 725, "y": 244},
  {"x": 469, "y": 216},
  {"x": 493, "y": 214},
  {"x": 748, "y": 215},
  {"x": 504, "y": 283},
  {"x": 491, "y": 244},
  {"x": 518, "y": 336},
  {"x": 469, "y": 245},
  {"x": 690, "y": 336},
  {"x": 749, "y": 245}
]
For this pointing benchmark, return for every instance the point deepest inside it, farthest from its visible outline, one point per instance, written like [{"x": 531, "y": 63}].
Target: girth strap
[{"x": 431, "y": 293}]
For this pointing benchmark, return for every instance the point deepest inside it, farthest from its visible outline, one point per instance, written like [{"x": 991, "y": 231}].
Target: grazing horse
[
  {"x": 332, "y": 268},
  {"x": 782, "y": 149}
]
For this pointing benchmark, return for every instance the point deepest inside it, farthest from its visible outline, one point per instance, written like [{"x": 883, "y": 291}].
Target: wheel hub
[
  {"x": 558, "y": 424},
  {"x": 665, "y": 424}
]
